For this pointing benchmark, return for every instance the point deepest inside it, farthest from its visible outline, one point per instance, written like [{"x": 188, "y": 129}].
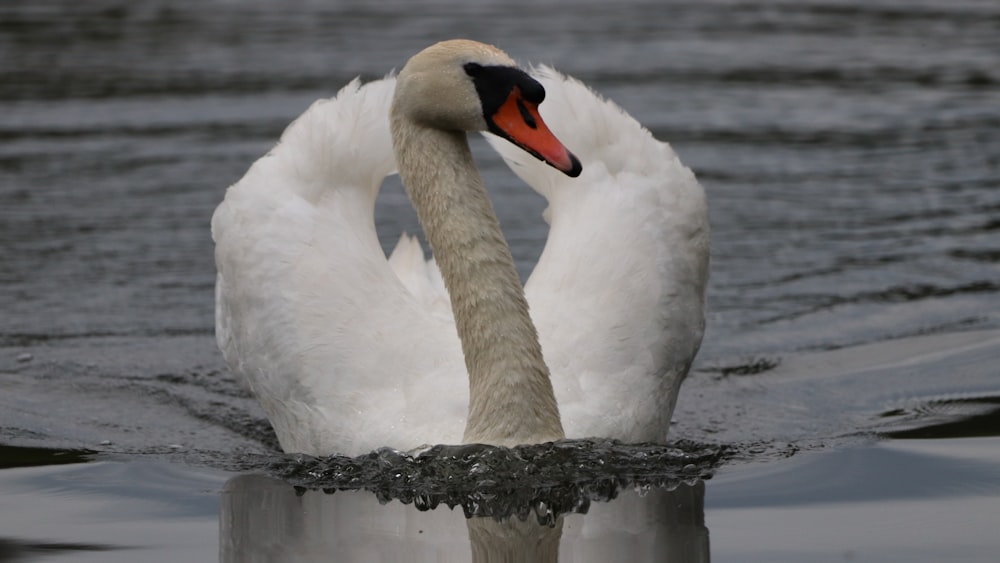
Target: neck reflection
[{"x": 265, "y": 519}]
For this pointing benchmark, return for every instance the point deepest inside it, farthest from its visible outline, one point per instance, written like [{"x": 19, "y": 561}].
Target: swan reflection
[{"x": 266, "y": 519}]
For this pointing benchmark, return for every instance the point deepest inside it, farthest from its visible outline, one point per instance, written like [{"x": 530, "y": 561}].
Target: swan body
[{"x": 348, "y": 351}]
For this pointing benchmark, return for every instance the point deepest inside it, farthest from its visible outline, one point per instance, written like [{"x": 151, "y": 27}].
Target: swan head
[{"x": 463, "y": 85}]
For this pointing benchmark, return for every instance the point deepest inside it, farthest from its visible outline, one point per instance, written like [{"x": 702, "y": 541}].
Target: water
[{"x": 851, "y": 155}]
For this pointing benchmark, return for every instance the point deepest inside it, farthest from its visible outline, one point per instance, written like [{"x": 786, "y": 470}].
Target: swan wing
[
  {"x": 618, "y": 292},
  {"x": 341, "y": 354}
]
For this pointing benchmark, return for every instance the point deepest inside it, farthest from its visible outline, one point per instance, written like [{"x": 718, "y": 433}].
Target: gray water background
[{"x": 850, "y": 152}]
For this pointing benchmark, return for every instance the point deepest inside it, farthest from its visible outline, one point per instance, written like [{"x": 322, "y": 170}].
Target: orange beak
[{"x": 518, "y": 121}]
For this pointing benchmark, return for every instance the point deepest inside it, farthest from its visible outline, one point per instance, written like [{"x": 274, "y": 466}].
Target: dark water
[{"x": 848, "y": 381}]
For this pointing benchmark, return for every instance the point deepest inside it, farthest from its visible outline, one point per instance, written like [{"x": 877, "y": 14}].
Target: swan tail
[{"x": 421, "y": 277}]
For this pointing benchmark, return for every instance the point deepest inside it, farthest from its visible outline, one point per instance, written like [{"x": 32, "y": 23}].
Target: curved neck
[{"x": 510, "y": 395}]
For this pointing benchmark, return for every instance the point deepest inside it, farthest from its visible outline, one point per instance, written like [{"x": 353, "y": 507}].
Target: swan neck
[{"x": 510, "y": 394}]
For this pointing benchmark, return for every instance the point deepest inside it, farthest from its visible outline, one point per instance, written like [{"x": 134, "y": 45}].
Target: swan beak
[{"x": 518, "y": 121}]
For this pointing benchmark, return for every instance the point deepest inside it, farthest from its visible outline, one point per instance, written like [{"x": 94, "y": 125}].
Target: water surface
[{"x": 851, "y": 155}]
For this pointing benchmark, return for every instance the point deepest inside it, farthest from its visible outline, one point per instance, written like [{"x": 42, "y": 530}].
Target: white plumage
[
  {"x": 618, "y": 293},
  {"x": 348, "y": 351}
]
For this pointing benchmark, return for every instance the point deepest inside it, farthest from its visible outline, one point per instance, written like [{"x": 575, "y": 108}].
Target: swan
[{"x": 347, "y": 351}]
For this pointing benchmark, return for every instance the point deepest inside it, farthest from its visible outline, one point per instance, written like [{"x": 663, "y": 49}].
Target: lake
[{"x": 845, "y": 405}]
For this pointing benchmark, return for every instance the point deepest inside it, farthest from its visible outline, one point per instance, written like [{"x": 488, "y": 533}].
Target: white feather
[
  {"x": 348, "y": 351},
  {"x": 618, "y": 293}
]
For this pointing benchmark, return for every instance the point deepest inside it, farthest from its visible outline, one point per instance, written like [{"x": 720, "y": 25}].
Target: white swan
[{"x": 347, "y": 351}]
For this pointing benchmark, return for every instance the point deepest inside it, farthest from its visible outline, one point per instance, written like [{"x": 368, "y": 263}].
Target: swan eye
[{"x": 473, "y": 69}]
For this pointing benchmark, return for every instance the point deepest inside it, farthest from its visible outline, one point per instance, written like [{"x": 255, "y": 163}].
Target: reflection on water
[
  {"x": 16, "y": 550},
  {"x": 265, "y": 519},
  {"x": 574, "y": 500}
]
